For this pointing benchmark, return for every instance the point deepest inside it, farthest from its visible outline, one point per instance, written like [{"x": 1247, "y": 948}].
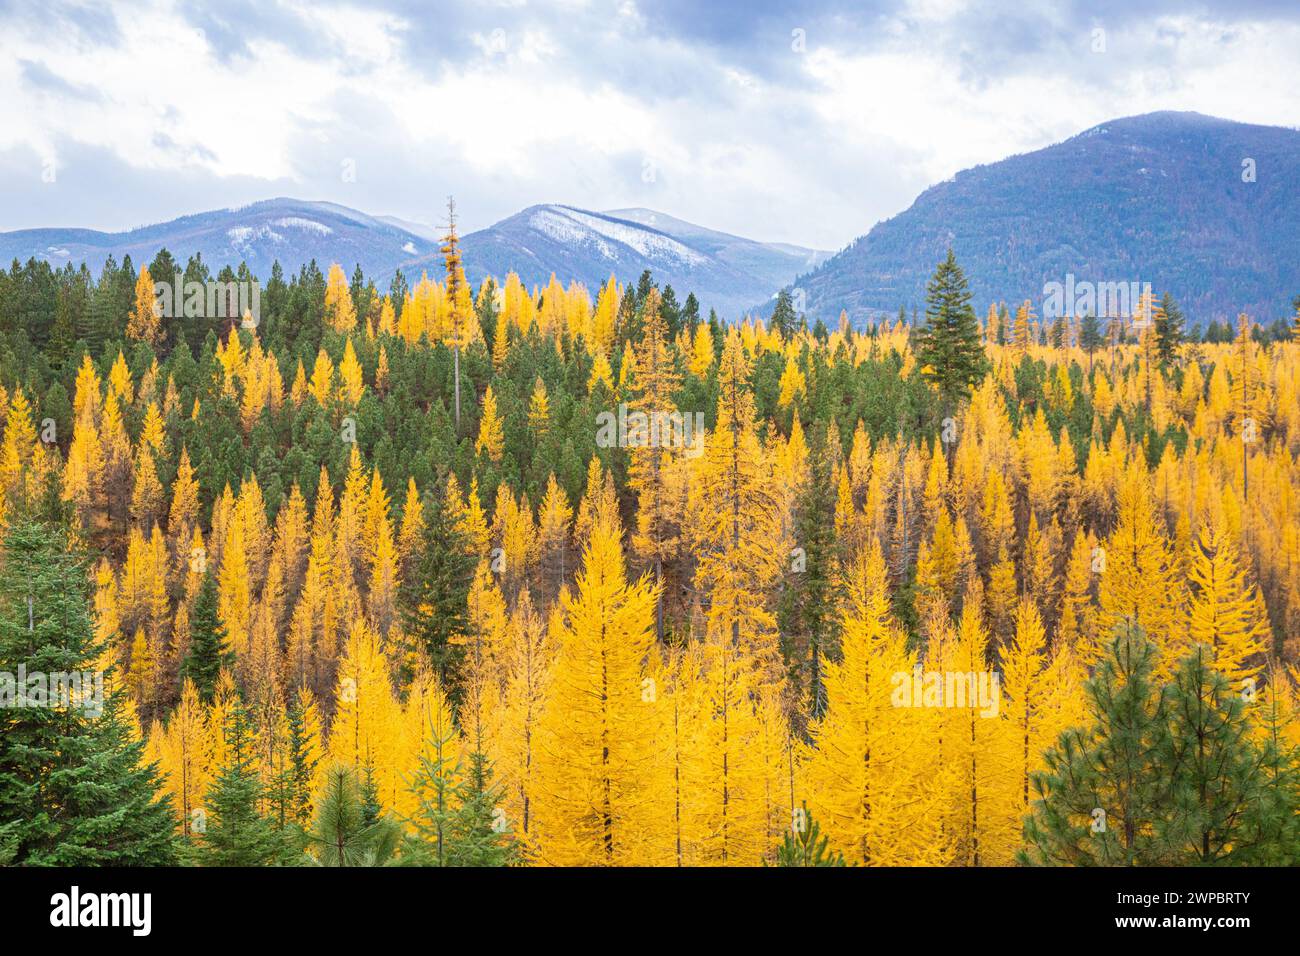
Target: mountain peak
[{"x": 1198, "y": 206}]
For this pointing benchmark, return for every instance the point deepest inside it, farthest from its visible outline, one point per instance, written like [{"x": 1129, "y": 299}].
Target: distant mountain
[
  {"x": 1158, "y": 198},
  {"x": 767, "y": 260},
  {"x": 290, "y": 230},
  {"x": 725, "y": 272}
]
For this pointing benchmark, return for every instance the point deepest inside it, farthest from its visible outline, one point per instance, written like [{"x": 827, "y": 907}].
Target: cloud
[{"x": 802, "y": 123}]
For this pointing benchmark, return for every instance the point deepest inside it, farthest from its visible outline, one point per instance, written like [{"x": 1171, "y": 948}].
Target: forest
[{"x": 366, "y": 586}]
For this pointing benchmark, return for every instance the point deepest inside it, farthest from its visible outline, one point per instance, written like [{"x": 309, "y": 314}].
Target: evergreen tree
[
  {"x": 73, "y": 788},
  {"x": 804, "y": 845},
  {"x": 1173, "y": 775},
  {"x": 479, "y": 837},
  {"x": 806, "y": 603},
  {"x": 456, "y": 822},
  {"x": 301, "y": 764},
  {"x": 948, "y": 346},
  {"x": 435, "y": 598},
  {"x": 1090, "y": 337},
  {"x": 234, "y": 833},
  {"x": 1098, "y": 801},
  {"x": 784, "y": 319},
  {"x": 1224, "y": 808},
  {"x": 1169, "y": 330},
  {"x": 347, "y": 830},
  {"x": 207, "y": 653}
]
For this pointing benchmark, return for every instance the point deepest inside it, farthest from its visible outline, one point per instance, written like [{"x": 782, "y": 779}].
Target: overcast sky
[{"x": 799, "y": 122}]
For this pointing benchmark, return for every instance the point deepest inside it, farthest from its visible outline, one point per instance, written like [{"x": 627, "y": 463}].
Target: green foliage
[
  {"x": 457, "y": 822},
  {"x": 435, "y": 598},
  {"x": 235, "y": 833},
  {"x": 207, "y": 655},
  {"x": 347, "y": 831},
  {"x": 806, "y": 846},
  {"x": 1169, "y": 330},
  {"x": 1166, "y": 775},
  {"x": 74, "y": 790},
  {"x": 948, "y": 346}
]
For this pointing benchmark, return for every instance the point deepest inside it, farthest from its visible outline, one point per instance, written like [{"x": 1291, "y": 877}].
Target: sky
[{"x": 802, "y": 122}]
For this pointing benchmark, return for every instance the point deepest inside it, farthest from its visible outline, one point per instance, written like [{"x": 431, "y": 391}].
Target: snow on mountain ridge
[
  {"x": 653, "y": 245},
  {"x": 564, "y": 230},
  {"x": 297, "y": 222}
]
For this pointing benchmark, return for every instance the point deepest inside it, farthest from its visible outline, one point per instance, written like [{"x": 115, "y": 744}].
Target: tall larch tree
[
  {"x": 595, "y": 759},
  {"x": 655, "y": 380}
]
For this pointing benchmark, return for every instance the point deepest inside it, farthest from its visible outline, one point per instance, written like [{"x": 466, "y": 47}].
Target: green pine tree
[
  {"x": 1098, "y": 800},
  {"x": 806, "y": 846},
  {"x": 1231, "y": 801},
  {"x": 1090, "y": 337},
  {"x": 803, "y": 612},
  {"x": 1172, "y": 775},
  {"x": 948, "y": 346},
  {"x": 1170, "y": 336},
  {"x": 207, "y": 655},
  {"x": 479, "y": 836},
  {"x": 784, "y": 318},
  {"x": 347, "y": 829},
  {"x": 435, "y": 599},
  {"x": 457, "y": 822},
  {"x": 301, "y": 766},
  {"x": 235, "y": 833},
  {"x": 73, "y": 788}
]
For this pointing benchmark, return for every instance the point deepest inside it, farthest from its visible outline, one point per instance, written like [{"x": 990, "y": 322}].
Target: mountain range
[
  {"x": 1205, "y": 208},
  {"x": 726, "y": 272}
]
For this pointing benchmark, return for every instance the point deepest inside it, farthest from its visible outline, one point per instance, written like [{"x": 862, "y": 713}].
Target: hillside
[
  {"x": 290, "y": 230},
  {"x": 1158, "y": 198}
]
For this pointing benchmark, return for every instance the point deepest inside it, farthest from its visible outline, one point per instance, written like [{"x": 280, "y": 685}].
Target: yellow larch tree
[
  {"x": 340, "y": 310},
  {"x": 595, "y": 759},
  {"x": 491, "y": 436},
  {"x": 735, "y": 526},
  {"x": 654, "y": 448},
  {"x": 1225, "y": 612},
  {"x": 868, "y": 771},
  {"x": 144, "y": 323}
]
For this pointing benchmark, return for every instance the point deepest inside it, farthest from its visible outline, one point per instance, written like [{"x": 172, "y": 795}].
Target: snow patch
[
  {"x": 307, "y": 225},
  {"x": 409, "y": 248},
  {"x": 244, "y": 236},
  {"x": 564, "y": 230},
  {"x": 653, "y": 245},
  {"x": 572, "y": 227}
]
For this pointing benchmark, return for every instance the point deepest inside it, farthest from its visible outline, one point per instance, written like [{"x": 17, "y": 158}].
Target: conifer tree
[
  {"x": 207, "y": 654},
  {"x": 303, "y": 758},
  {"x": 435, "y": 597},
  {"x": 343, "y": 831},
  {"x": 596, "y": 759},
  {"x": 1169, "y": 330},
  {"x": 1090, "y": 337},
  {"x": 656, "y": 379},
  {"x": 1223, "y": 808},
  {"x": 1098, "y": 800},
  {"x": 235, "y": 833},
  {"x": 948, "y": 346},
  {"x": 804, "y": 844},
  {"x": 74, "y": 789}
]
